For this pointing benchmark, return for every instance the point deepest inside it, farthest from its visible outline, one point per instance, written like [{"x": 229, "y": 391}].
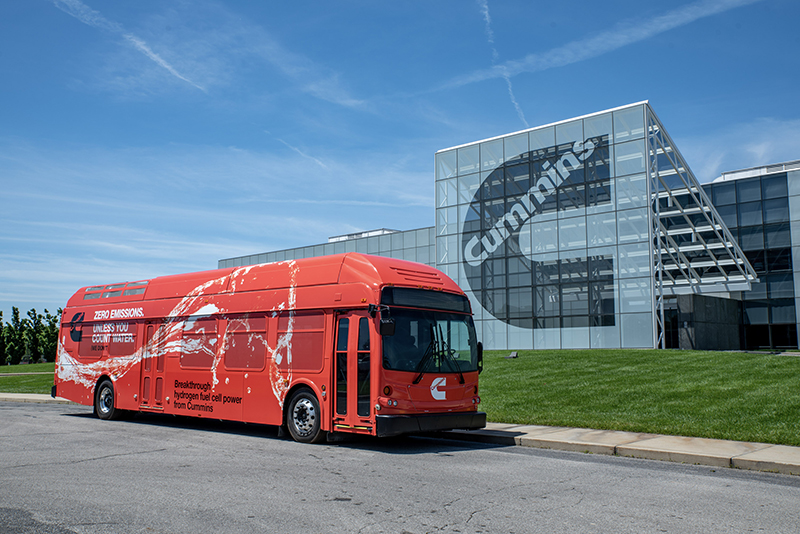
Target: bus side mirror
[
  {"x": 480, "y": 357},
  {"x": 387, "y": 326},
  {"x": 386, "y": 322}
]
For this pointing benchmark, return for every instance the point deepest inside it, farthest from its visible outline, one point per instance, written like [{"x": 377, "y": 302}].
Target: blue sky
[{"x": 146, "y": 138}]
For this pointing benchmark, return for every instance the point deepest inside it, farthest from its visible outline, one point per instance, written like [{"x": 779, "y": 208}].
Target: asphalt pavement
[{"x": 700, "y": 451}]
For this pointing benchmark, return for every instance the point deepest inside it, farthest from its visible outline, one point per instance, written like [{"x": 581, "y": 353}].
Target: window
[
  {"x": 774, "y": 186},
  {"x": 342, "y": 332},
  {"x": 724, "y": 194},
  {"x": 304, "y": 335},
  {"x": 198, "y": 343},
  {"x": 246, "y": 342},
  {"x": 750, "y": 214}
]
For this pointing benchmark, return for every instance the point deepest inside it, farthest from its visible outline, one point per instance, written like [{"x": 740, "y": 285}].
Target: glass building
[
  {"x": 593, "y": 233},
  {"x": 761, "y": 206}
]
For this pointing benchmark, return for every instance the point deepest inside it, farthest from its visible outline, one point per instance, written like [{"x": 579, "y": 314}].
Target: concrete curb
[
  {"x": 699, "y": 451},
  {"x": 33, "y": 398}
]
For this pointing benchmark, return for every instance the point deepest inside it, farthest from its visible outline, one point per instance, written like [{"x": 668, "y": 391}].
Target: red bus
[{"x": 348, "y": 343}]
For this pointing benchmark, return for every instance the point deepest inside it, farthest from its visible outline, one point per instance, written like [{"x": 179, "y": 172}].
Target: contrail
[
  {"x": 90, "y": 17},
  {"x": 484, "y": 4},
  {"x": 312, "y": 158},
  {"x": 623, "y": 34}
]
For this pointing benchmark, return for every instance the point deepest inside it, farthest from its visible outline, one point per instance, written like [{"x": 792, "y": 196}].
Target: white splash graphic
[
  {"x": 280, "y": 383},
  {"x": 168, "y": 339}
]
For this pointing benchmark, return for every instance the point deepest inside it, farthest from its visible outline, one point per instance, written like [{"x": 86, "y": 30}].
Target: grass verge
[
  {"x": 11, "y": 381},
  {"x": 724, "y": 395}
]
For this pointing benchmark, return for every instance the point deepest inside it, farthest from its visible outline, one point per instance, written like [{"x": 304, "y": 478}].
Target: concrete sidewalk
[
  {"x": 701, "y": 451},
  {"x": 34, "y": 398}
]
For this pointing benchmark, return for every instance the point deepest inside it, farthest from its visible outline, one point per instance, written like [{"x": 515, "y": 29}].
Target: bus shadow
[{"x": 424, "y": 443}]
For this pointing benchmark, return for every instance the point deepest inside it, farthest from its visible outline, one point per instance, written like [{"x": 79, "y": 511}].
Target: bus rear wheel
[
  {"x": 104, "y": 401},
  {"x": 303, "y": 417}
]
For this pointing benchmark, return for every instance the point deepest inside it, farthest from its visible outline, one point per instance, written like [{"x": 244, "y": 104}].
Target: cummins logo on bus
[{"x": 566, "y": 176}]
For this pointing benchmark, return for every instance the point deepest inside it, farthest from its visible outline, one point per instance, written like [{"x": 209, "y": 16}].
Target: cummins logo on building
[
  {"x": 558, "y": 178},
  {"x": 478, "y": 250}
]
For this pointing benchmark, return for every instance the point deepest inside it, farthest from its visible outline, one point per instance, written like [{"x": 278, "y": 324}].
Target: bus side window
[
  {"x": 307, "y": 341},
  {"x": 93, "y": 341},
  {"x": 198, "y": 343},
  {"x": 246, "y": 343}
]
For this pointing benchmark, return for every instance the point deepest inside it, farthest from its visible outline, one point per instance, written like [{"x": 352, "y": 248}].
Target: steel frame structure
[{"x": 692, "y": 250}]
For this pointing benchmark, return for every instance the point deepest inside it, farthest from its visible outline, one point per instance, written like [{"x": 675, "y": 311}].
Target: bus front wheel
[
  {"x": 303, "y": 417},
  {"x": 104, "y": 401}
]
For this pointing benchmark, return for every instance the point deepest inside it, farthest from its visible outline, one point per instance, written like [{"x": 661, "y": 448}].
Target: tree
[
  {"x": 34, "y": 338},
  {"x": 2, "y": 340},
  {"x": 49, "y": 336},
  {"x": 15, "y": 338},
  {"x": 33, "y": 335}
]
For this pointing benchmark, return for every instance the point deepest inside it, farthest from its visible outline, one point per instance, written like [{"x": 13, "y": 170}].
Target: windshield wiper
[
  {"x": 449, "y": 354},
  {"x": 437, "y": 347},
  {"x": 427, "y": 357}
]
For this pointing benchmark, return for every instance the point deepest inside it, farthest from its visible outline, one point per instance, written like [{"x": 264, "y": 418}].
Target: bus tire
[
  {"x": 303, "y": 419},
  {"x": 104, "y": 401}
]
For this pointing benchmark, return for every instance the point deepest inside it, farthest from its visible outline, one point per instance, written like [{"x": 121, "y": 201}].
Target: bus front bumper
[{"x": 394, "y": 425}]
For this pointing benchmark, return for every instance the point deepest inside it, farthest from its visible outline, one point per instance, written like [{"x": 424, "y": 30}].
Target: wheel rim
[
  {"x": 304, "y": 416},
  {"x": 106, "y": 400}
]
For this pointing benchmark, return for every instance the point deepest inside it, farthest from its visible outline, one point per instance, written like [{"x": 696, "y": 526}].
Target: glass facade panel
[
  {"x": 751, "y": 238},
  {"x": 628, "y": 124},
  {"x": 491, "y": 154},
  {"x": 445, "y": 165},
  {"x": 602, "y": 229},
  {"x": 516, "y": 147},
  {"x": 748, "y": 189},
  {"x": 635, "y": 294},
  {"x": 572, "y": 233},
  {"x": 632, "y": 225},
  {"x": 598, "y": 126},
  {"x": 728, "y": 214},
  {"x": 629, "y": 158},
  {"x": 544, "y": 236},
  {"x": 446, "y": 193},
  {"x": 569, "y": 133},
  {"x": 634, "y": 260},
  {"x": 468, "y": 187},
  {"x": 469, "y": 159},
  {"x": 542, "y": 143},
  {"x": 777, "y": 236},
  {"x": 724, "y": 194},
  {"x": 774, "y": 187},
  {"x": 776, "y": 210},
  {"x": 750, "y": 214},
  {"x": 637, "y": 330}
]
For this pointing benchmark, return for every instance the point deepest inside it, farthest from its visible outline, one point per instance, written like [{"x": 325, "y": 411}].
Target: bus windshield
[{"x": 431, "y": 341}]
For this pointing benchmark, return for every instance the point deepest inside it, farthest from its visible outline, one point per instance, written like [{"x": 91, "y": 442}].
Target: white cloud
[
  {"x": 90, "y": 17},
  {"x": 80, "y": 215},
  {"x": 215, "y": 45},
  {"x": 740, "y": 146}
]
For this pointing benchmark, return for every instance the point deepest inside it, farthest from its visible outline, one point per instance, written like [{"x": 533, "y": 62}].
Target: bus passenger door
[
  {"x": 352, "y": 387},
  {"x": 152, "y": 385}
]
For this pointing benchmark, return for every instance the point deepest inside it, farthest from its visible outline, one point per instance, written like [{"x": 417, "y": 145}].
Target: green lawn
[
  {"x": 726, "y": 395},
  {"x": 27, "y": 383},
  {"x": 29, "y": 368}
]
